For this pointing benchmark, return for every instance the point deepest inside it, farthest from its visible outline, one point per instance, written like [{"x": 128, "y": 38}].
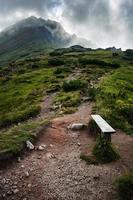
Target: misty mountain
[{"x": 36, "y": 31}]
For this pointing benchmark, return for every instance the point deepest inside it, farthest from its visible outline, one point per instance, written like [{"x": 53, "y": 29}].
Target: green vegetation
[
  {"x": 27, "y": 77},
  {"x": 21, "y": 94},
  {"x": 90, "y": 160},
  {"x": 73, "y": 85},
  {"x": 104, "y": 151},
  {"x": 98, "y": 62},
  {"x": 56, "y": 61},
  {"x": 13, "y": 140},
  {"x": 115, "y": 99},
  {"x": 69, "y": 99},
  {"x": 125, "y": 186}
]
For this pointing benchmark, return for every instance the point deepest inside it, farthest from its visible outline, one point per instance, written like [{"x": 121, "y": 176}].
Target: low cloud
[{"x": 104, "y": 22}]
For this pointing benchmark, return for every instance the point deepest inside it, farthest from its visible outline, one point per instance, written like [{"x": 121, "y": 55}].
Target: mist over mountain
[{"x": 35, "y": 31}]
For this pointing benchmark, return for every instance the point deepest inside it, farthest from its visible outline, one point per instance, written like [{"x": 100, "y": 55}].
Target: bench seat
[{"x": 103, "y": 125}]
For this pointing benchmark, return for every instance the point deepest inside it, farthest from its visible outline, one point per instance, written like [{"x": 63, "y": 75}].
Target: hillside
[
  {"x": 34, "y": 36},
  {"x": 40, "y": 97}
]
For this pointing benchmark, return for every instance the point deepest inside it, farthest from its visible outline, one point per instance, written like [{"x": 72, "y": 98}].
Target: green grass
[
  {"x": 90, "y": 160},
  {"x": 13, "y": 140},
  {"x": 104, "y": 151},
  {"x": 124, "y": 186},
  {"x": 115, "y": 99},
  {"x": 27, "y": 77},
  {"x": 21, "y": 95},
  {"x": 69, "y": 99}
]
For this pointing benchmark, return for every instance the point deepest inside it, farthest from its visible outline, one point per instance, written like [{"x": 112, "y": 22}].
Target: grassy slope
[
  {"x": 23, "y": 85},
  {"x": 115, "y": 98}
]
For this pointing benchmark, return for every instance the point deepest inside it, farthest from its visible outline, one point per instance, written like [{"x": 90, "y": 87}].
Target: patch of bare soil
[{"x": 57, "y": 173}]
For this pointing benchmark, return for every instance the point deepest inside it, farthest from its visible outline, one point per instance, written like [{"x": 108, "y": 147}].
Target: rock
[
  {"x": 27, "y": 174},
  {"x": 22, "y": 166},
  {"x": 30, "y": 146},
  {"x": 19, "y": 159},
  {"x": 76, "y": 126},
  {"x": 79, "y": 144},
  {"x": 41, "y": 148},
  {"x": 51, "y": 145},
  {"x": 9, "y": 193},
  {"x": 15, "y": 191},
  {"x": 50, "y": 155},
  {"x": 44, "y": 145},
  {"x": 29, "y": 185}
]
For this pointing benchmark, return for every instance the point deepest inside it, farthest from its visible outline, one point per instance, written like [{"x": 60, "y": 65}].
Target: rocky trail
[{"x": 56, "y": 172}]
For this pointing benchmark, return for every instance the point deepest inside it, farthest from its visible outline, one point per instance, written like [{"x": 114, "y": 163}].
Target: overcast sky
[{"x": 104, "y": 22}]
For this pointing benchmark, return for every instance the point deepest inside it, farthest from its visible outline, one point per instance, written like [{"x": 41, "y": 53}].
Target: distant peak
[{"x": 32, "y": 17}]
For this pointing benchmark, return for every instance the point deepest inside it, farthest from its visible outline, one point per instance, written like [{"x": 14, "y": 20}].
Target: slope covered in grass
[{"x": 115, "y": 98}]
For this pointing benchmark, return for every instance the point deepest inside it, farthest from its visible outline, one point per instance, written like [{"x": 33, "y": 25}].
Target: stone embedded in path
[
  {"x": 29, "y": 145},
  {"x": 76, "y": 126}
]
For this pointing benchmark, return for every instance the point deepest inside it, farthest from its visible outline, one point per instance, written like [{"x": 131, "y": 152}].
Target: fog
[{"x": 103, "y": 22}]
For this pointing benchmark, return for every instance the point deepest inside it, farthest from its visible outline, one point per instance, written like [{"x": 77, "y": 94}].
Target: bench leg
[{"x": 107, "y": 137}]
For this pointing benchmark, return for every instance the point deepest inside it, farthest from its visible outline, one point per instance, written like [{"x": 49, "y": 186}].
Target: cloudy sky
[{"x": 104, "y": 22}]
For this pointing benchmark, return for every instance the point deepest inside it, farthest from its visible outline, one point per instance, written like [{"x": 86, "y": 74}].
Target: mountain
[{"x": 35, "y": 34}]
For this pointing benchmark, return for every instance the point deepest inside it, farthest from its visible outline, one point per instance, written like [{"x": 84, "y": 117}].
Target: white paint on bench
[{"x": 103, "y": 125}]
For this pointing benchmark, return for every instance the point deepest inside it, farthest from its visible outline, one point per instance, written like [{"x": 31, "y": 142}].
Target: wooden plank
[{"x": 103, "y": 125}]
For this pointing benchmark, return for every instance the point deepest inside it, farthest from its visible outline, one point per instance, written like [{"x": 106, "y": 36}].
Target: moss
[
  {"x": 124, "y": 186},
  {"x": 104, "y": 151}
]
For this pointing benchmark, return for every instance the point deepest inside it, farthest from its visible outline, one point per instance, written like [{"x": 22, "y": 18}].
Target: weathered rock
[
  {"x": 76, "y": 126},
  {"x": 30, "y": 146}
]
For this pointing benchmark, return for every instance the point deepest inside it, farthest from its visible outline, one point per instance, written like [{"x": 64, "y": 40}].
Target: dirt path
[{"x": 57, "y": 173}]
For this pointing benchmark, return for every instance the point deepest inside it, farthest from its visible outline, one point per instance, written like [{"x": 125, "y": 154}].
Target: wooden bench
[{"x": 105, "y": 128}]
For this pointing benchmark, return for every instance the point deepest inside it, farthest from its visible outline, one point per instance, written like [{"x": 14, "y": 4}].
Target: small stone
[
  {"x": 14, "y": 187},
  {"x": 19, "y": 159},
  {"x": 30, "y": 146},
  {"x": 49, "y": 155},
  {"x": 27, "y": 174},
  {"x": 4, "y": 195},
  {"x": 22, "y": 166},
  {"x": 44, "y": 145},
  {"x": 29, "y": 185},
  {"x": 79, "y": 144},
  {"x": 51, "y": 145},
  {"x": 40, "y": 148},
  {"x": 9, "y": 192},
  {"x": 15, "y": 191},
  {"x": 76, "y": 126}
]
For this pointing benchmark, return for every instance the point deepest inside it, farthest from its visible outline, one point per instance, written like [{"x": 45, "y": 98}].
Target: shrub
[
  {"x": 125, "y": 186},
  {"x": 73, "y": 85},
  {"x": 98, "y": 62},
  {"x": 104, "y": 151},
  {"x": 56, "y": 61},
  {"x": 92, "y": 93}
]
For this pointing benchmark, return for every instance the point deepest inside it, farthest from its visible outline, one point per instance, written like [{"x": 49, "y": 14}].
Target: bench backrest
[{"x": 102, "y": 124}]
